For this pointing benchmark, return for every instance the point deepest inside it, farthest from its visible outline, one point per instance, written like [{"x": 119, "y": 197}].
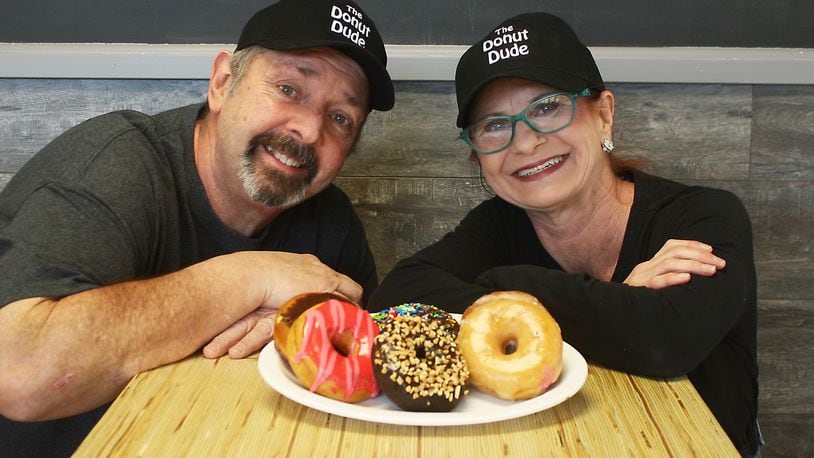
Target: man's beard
[{"x": 272, "y": 187}]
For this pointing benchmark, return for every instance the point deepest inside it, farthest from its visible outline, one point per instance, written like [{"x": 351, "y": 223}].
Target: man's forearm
[{"x": 66, "y": 356}]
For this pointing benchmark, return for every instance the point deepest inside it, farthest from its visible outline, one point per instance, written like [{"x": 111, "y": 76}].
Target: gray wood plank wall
[{"x": 411, "y": 181}]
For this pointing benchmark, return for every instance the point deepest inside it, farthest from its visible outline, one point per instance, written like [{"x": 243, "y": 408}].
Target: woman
[{"x": 612, "y": 252}]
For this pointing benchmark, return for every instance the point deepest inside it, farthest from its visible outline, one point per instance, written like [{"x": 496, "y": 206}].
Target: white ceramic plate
[{"x": 476, "y": 408}]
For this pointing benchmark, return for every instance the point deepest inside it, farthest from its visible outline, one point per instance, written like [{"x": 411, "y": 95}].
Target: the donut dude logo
[
  {"x": 350, "y": 24},
  {"x": 506, "y": 44}
]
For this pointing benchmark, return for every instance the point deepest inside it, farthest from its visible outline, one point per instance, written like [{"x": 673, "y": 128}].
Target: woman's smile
[{"x": 549, "y": 165}]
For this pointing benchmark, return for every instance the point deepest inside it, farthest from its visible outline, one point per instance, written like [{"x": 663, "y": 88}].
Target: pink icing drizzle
[{"x": 352, "y": 373}]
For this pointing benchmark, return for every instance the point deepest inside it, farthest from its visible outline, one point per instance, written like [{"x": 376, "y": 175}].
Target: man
[{"x": 133, "y": 241}]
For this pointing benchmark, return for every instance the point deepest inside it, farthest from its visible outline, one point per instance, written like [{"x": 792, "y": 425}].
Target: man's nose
[{"x": 305, "y": 125}]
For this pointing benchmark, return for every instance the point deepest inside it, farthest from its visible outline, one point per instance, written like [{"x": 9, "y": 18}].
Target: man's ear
[
  {"x": 606, "y": 110},
  {"x": 219, "y": 80}
]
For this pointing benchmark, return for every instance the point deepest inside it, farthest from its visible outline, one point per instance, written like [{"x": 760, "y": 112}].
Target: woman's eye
[
  {"x": 544, "y": 109},
  {"x": 496, "y": 125}
]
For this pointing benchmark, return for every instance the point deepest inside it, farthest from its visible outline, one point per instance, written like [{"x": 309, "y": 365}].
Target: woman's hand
[{"x": 674, "y": 264}]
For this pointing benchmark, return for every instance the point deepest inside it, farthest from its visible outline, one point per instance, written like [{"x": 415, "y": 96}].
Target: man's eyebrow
[
  {"x": 308, "y": 72},
  {"x": 353, "y": 99}
]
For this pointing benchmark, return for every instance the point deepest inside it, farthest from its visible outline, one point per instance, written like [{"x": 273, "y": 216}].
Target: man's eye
[
  {"x": 287, "y": 90},
  {"x": 341, "y": 119}
]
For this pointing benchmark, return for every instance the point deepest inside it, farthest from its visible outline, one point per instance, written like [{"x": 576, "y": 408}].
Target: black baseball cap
[
  {"x": 340, "y": 24},
  {"x": 535, "y": 46}
]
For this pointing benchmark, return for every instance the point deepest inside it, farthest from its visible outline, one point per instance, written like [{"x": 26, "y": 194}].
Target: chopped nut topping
[{"x": 421, "y": 356}]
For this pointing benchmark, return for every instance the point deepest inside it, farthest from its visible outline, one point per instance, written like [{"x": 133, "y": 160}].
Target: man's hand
[
  {"x": 243, "y": 338},
  {"x": 674, "y": 264},
  {"x": 284, "y": 275}
]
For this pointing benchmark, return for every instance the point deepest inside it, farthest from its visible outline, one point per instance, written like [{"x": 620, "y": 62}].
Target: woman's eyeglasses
[{"x": 546, "y": 115}]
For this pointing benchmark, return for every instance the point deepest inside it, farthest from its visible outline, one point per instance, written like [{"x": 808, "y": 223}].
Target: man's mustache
[{"x": 286, "y": 145}]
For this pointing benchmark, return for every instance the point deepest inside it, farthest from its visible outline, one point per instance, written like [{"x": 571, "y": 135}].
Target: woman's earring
[{"x": 607, "y": 145}]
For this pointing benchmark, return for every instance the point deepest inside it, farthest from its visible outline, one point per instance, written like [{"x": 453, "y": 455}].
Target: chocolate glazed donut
[{"x": 418, "y": 366}]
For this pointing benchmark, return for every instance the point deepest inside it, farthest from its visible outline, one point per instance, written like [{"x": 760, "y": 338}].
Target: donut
[
  {"x": 446, "y": 320},
  {"x": 512, "y": 345},
  {"x": 329, "y": 349},
  {"x": 417, "y": 364},
  {"x": 290, "y": 311}
]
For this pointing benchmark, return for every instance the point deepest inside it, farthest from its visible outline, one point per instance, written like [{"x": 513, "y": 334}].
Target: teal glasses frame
[{"x": 464, "y": 135}]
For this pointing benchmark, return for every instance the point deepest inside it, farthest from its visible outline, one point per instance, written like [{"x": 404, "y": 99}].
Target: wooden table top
[{"x": 199, "y": 407}]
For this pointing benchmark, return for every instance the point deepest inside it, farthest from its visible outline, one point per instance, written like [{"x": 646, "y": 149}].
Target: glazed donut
[
  {"x": 446, "y": 320},
  {"x": 329, "y": 348},
  {"x": 417, "y": 364},
  {"x": 290, "y": 311},
  {"x": 512, "y": 344}
]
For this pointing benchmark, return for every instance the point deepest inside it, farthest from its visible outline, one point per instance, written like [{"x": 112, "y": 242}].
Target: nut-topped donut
[
  {"x": 512, "y": 344},
  {"x": 418, "y": 365}
]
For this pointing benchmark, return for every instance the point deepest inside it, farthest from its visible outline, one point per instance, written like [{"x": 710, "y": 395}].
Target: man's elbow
[{"x": 20, "y": 400}]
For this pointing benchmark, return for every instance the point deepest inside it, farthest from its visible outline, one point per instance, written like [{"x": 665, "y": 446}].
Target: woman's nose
[{"x": 526, "y": 138}]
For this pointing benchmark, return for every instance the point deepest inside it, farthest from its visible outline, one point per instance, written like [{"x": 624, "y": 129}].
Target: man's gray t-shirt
[{"x": 119, "y": 198}]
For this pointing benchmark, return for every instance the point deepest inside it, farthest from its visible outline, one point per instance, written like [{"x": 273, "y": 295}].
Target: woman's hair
[{"x": 620, "y": 164}]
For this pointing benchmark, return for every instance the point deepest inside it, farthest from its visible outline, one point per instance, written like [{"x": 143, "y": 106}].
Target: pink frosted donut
[{"x": 329, "y": 349}]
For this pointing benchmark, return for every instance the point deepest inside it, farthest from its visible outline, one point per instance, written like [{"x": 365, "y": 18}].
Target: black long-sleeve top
[{"x": 705, "y": 329}]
